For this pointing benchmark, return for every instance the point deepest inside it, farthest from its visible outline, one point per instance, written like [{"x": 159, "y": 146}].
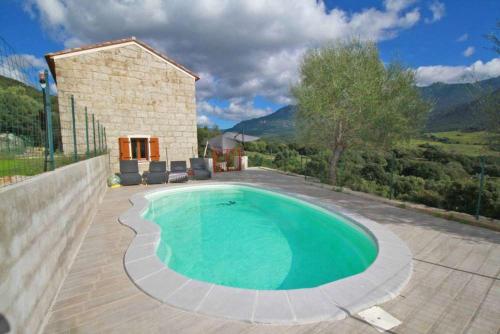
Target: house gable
[{"x": 51, "y": 57}]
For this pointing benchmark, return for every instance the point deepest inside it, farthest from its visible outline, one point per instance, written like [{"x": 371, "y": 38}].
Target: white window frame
[{"x": 148, "y": 137}]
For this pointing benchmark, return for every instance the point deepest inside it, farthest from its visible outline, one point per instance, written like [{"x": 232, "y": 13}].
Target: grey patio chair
[
  {"x": 157, "y": 173},
  {"x": 129, "y": 173},
  {"x": 178, "y": 172},
  {"x": 199, "y": 168}
]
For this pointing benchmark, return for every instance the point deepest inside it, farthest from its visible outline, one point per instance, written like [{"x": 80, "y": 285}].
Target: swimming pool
[
  {"x": 260, "y": 254},
  {"x": 245, "y": 237}
]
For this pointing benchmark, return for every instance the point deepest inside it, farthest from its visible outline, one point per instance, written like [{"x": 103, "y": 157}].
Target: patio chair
[
  {"x": 199, "y": 168},
  {"x": 178, "y": 172},
  {"x": 129, "y": 173},
  {"x": 157, "y": 173}
]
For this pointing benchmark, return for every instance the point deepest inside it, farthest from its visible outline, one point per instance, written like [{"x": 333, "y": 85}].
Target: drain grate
[{"x": 378, "y": 318}]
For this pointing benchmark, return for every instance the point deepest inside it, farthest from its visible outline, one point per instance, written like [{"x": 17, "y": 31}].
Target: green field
[
  {"x": 467, "y": 143},
  {"x": 29, "y": 166}
]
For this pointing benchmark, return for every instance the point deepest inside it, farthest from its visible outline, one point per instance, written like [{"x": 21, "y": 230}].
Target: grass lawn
[
  {"x": 28, "y": 166},
  {"x": 467, "y": 143}
]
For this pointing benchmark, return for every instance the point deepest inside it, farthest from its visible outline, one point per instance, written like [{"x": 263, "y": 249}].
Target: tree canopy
[{"x": 347, "y": 97}]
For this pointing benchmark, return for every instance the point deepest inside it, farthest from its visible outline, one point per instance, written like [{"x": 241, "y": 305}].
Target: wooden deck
[{"x": 455, "y": 287}]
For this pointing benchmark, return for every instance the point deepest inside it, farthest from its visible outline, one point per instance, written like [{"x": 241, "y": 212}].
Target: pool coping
[{"x": 383, "y": 280}]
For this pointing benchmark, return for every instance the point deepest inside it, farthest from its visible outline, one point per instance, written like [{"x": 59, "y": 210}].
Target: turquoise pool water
[{"x": 250, "y": 238}]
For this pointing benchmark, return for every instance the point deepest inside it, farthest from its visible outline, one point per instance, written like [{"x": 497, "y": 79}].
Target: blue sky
[{"x": 247, "y": 51}]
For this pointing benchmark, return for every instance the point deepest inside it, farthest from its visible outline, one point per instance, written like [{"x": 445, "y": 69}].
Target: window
[{"x": 140, "y": 148}]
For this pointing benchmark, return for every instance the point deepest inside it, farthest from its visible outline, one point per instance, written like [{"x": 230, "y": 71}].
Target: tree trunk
[{"x": 333, "y": 162}]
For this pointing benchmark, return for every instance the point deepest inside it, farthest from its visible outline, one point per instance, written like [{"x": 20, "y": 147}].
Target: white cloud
[
  {"x": 463, "y": 38},
  {"x": 240, "y": 48},
  {"x": 397, "y": 5},
  {"x": 22, "y": 67},
  {"x": 53, "y": 88},
  {"x": 469, "y": 51},
  {"x": 52, "y": 12},
  {"x": 234, "y": 111},
  {"x": 204, "y": 120},
  {"x": 438, "y": 11},
  {"x": 477, "y": 71}
]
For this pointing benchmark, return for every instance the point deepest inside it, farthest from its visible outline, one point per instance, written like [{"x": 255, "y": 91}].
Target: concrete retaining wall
[{"x": 43, "y": 222}]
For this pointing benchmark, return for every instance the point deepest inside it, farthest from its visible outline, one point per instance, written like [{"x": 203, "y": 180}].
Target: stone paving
[{"x": 455, "y": 287}]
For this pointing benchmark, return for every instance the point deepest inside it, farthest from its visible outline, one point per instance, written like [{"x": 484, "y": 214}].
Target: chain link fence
[{"x": 31, "y": 131}]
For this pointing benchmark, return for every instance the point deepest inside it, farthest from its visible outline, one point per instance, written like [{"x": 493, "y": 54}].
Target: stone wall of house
[{"x": 131, "y": 92}]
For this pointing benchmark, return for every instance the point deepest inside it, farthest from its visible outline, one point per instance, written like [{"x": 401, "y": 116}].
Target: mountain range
[{"x": 455, "y": 107}]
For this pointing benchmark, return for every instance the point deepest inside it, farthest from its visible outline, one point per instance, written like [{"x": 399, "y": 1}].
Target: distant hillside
[
  {"x": 21, "y": 112},
  {"x": 28, "y": 90},
  {"x": 466, "y": 116},
  {"x": 459, "y": 106},
  {"x": 456, "y": 107},
  {"x": 445, "y": 96},
  {"x": 8, "y": 82},
  {"x": 278, "y": 124}
]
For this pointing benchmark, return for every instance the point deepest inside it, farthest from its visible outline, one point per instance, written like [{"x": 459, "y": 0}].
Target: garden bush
[{"x": 425, "y": 175}]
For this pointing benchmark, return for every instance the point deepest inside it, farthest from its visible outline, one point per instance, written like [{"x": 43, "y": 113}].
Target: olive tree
[{"x": 347, "y": 97}]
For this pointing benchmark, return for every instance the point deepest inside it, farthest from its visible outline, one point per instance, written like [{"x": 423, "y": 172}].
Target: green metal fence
[{"x": 35, "y": 136}]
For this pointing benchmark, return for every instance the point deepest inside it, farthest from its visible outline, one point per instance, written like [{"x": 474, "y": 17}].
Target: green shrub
[
  {"x": 256, "y": 146},
  {"x": 423, "y": 169},
  {"x": 434, "y": 153},
  {"x": 375, "y": 172},
  {"x": 359, "y": 184},
  {"x": 462, "y": 196},
  {"x": 455, "y": 170},
  {"x": 425, "y": 175},
  {"x": 408, "y": 185},
  {"x": 428, "y": 197},
  {"x": 288, "y": 159},
  {"x": 317, "y": 167}
]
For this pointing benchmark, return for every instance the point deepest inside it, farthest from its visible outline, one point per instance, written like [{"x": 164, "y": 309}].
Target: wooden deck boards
[{"x": 455, "y": 287}]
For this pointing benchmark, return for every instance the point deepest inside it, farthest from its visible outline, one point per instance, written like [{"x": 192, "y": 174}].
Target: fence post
[
  {"x": 75, "y": 153},
  {"x": 99, "y": 136},
  {"x": 481, "y": 186},
  {"x": 302, "y": 167},
  {"x": 102, "y": 137},
  {"x": 87, "y": 133},
  {"x": 105, "y": 140},
  {"x": 393, "y": 165},
  {"x": 93, "y": 129},
  {"x": 48, "y": 121}
]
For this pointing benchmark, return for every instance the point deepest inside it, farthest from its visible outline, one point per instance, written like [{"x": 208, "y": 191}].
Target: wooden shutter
[
  {"x": 155, "y": 149},
  {"x": 124, "y": 144}
]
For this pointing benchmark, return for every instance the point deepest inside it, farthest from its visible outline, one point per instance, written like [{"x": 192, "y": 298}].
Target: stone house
[{"x": 145, "y": 100}]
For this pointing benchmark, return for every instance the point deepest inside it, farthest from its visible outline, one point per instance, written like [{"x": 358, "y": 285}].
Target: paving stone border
[{"x": 380, "y": 282}]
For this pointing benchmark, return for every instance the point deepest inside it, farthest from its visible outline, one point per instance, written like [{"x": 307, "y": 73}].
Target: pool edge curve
[{"x": 383, "y": 280}]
